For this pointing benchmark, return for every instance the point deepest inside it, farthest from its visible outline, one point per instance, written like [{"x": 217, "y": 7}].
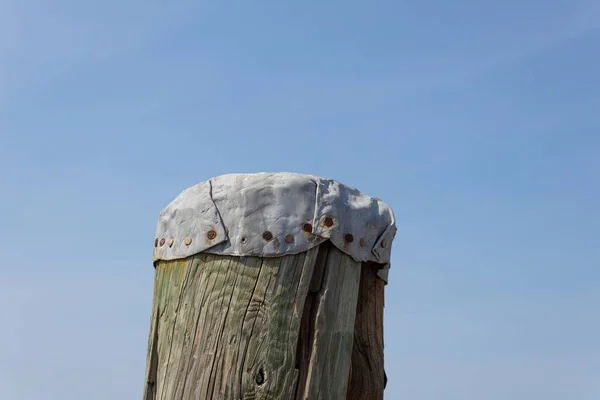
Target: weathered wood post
[{"x": 269, "y": 286}]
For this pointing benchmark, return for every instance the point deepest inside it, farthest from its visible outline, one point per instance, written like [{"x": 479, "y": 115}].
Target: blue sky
[{"x": 477, "y": 121}]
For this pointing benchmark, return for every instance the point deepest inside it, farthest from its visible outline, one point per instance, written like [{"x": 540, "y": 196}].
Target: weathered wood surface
[
  {"x": 249, "y": 328},
  {"x": 367, "y": 376}
]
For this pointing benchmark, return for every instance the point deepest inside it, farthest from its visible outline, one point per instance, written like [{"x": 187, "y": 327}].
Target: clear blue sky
[{"x": 477, "y": 121}]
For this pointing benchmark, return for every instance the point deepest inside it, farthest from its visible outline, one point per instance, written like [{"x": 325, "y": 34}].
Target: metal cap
[{"x": 275, "y": 214}]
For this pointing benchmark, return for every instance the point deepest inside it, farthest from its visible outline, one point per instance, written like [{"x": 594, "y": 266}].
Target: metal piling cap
[{"x": 272, "y": 215}]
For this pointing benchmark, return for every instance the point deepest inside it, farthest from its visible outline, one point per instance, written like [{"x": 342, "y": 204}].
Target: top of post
[{"x": 274, "y": 214}]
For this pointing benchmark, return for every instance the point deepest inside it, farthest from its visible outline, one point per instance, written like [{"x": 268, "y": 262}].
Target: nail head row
[{"x": 268, "y": 236}]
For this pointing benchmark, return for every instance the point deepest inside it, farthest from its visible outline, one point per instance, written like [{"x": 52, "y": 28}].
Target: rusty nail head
[
  {"x": 362, "y": 242},
  {"x": 162, "y": 242},
  {"x": 328, "y": 222},
  {"x": 187, "y": 240},
  {"x": 171, "y": 242},
  {"x": 307, "y": 228},
  {"x": 267, "y": 235},
  {"x": 156, "y": 242},
  {"x": 349, "y": 238},
  {"x": 211, "y": 234},
  {"x": 288, "y": 238}
]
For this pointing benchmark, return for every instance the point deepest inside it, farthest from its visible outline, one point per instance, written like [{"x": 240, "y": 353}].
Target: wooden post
[{"x": 256, "y": 297}]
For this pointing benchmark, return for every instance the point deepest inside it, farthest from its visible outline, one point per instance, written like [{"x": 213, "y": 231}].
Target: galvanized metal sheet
[{"x": 274, "y": 214}]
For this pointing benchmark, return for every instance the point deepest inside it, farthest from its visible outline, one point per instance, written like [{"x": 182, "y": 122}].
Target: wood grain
[
  {"x": 245, "y": 328},
  {"x": 367, "y": 377}
]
